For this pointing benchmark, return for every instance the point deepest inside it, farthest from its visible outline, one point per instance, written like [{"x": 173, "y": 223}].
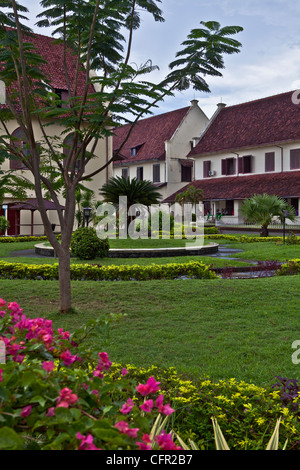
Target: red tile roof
[
  {"x": 275, "y": 119},
  {"x": 285, "y": 184},
  {"x": 151, "y": 134},
  {"x": 54, "y": 69}
]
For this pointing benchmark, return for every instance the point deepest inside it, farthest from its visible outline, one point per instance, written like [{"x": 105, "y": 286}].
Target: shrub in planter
[{"x": 85, "y": 244}]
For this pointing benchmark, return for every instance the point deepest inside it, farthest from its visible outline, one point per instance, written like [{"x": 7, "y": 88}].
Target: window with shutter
[
  {"x": 18, "y": 141},
  {"x": 156, "y": 173},
  {"x": 125, "y": 173},
  {"x": 245, "y": 164},
  {"x": 139, "y": 173},
  {"x": 186, "y": 174},
  {"x": 269, "y": 161},
  {"x": 295, "y": 159},
  {"x": 67, "y": 147},
  {"x": 206, "y": 168},
  {"x": 228, "y": 166}
]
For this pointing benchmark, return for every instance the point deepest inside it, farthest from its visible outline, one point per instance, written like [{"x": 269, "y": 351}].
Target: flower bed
[{"x": 56, "y": 394}]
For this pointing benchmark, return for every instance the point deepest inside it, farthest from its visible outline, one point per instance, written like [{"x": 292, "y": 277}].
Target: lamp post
[
  {"x": 285, "y": 214},
  {"x": 86, "y": 213}
]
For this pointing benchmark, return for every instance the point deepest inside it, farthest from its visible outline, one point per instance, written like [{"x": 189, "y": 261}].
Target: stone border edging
[{"x": 212, "y": 248}]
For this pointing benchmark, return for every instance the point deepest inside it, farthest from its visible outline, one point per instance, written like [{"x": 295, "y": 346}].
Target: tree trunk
[
  {"x": 264, "y": 232},
  {"x": 65, "y": 299}
]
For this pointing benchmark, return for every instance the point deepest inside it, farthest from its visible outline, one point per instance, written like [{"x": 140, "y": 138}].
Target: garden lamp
[
  {"x": 87, "y": 213},
  {"x": 285, "y": 214}
]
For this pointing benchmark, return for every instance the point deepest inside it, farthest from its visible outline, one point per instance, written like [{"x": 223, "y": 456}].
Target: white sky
[{"x": 269, "y": 61}]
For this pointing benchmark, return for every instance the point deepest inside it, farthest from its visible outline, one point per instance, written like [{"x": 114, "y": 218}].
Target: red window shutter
[
  {"x": 240, "y": 165},
  {"x": 206, "y": 168},
  {"x": 224, "y": 167},
  {"x": 269, "y": 161},
  {"x": 295, "y": 159}
]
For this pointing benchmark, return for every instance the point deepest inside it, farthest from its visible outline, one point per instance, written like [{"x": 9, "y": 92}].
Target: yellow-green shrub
[{"x": 107, "y": 273}]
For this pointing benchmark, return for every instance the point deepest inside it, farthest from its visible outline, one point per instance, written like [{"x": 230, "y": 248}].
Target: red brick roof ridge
[{"x": 248, "y": 125}]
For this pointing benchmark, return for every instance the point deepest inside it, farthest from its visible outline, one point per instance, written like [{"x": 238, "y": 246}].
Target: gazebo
[{"x": 14, "y": 209}]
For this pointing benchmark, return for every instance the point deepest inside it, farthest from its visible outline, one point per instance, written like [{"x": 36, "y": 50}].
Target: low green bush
[
  {"x": 291, "y": 268},
  {"x": 85, "y": 244},
  {"x": 246, "y": 413},
  {"x": 95, "y": 272}
]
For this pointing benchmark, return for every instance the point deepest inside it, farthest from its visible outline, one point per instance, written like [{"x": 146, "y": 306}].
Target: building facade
[
  {"x": 250, "y": 148},
  {"x": 157, "y": 148},
  {"x": 24, "y": 216}
]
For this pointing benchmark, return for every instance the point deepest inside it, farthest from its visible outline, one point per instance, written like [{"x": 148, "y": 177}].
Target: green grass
[
  {"x": 221, "y": 328},
  {"x": 266, "y": 251}
]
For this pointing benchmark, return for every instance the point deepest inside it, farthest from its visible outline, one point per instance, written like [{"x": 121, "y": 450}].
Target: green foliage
[
  {"x": 85, "y": 244},
  {"x": 246, "y": 413},
  {"x": 95, "y": 272},
  {"x": 4, "y": 223},
  {"x": 261, "y": 208},
  {"x": 137, "y": 191},
  {"x": 291, "y": 268},
  {"x": 190, "y": 195}
]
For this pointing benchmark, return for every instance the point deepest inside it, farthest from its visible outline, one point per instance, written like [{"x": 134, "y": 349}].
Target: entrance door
[{"x": 14, "y": 221}]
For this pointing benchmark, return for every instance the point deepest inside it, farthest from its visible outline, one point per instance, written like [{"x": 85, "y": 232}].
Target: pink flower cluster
[
  {"x": 87, "y": 443},
  {"x": 66, "y": 398},
  {"x": 164, "y": 440},
  {"x": 36, "y": 329},
  {"x": 103, "y": 364}
]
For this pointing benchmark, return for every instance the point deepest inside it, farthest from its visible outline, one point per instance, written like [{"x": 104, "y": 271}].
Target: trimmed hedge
[
  {"x": 95, "y": 272},
  {"x": 22, "y": 239}
]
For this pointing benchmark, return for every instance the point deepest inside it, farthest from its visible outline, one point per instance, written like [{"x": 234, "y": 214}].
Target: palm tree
[
  {"x": 192, "y": 195},
  {"x": 137, "y": 191},
  {"x": 261, "y": 208}
]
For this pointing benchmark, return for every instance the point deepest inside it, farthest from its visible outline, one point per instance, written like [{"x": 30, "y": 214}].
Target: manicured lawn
[
  {"x": 220, "y": 328},
  {"x": 266, "y": 251}
]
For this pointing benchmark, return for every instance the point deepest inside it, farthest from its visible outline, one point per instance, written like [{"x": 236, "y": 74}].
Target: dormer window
[
  {"x": 62, "y": 96},
  {"x": 134, "y": 150}
]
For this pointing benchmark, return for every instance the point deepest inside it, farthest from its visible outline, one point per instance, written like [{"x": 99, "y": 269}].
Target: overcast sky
[{"x": 269, "y": 61}]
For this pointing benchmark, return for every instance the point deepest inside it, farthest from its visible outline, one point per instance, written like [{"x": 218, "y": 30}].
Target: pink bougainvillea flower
[
  {"x": 124, "y": 371},
  {"x": 123, "y": 427},
  {"x": 2, "y": 303},
  {"x": 147, "y": 406},
  {"x": 51, "y": 411},
  {"x": 103, "y": 363},
  {"x": 143, "y": 446},
  {"x": 26, "y": 411},
  {"x": 87, "y": 442},
  {"x": 150, "y": 387},
  {"x": 1, "y": 372},
  {"x": 68, "y": 358},
  {"x": 165, "y": 442},
  {"x": 127, "y": 407},
  {"x": 2, "y": 313},
  {"x": 163, "y": 409},
  {"x": 48, "y": 366},
  {"x": 66, "y": 398}
]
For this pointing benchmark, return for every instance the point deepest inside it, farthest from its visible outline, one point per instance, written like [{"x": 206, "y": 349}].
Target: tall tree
[{"x": 100, "y": 35}]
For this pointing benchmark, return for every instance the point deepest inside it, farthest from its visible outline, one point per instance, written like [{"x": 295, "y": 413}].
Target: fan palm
[{"x": 261, "y": 208}]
